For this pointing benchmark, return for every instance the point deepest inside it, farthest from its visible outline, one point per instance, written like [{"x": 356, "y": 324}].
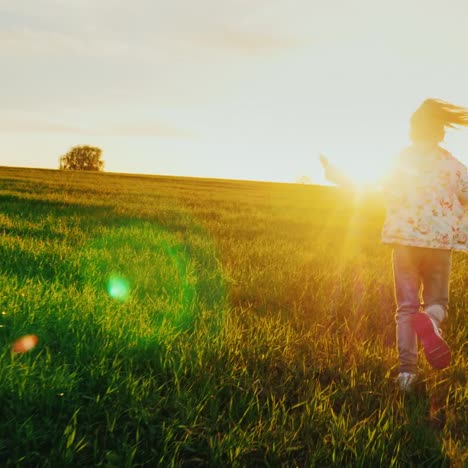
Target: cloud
[
  {"x": 32, "y": 42},
  {"x": 26, "y": 42},
  {"x": 149, "y": 130},
  {"x": 124, "y": 130},
  {"x": 36, "y": 126},
  {"x": 247, "y": 42}
]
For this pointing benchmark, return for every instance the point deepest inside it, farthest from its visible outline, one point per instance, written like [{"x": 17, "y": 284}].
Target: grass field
[{"x": 196, "y": 322}]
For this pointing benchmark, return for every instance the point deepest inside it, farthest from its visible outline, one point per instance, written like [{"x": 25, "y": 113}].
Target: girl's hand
[
  {"x": 333, "y": 174},
  {"x": 324, "y": 161}
]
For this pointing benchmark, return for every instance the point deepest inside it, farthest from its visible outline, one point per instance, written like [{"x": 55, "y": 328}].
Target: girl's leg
[
  {"x": 407, "y": 285},
  {"x": 435, "y": 274}
]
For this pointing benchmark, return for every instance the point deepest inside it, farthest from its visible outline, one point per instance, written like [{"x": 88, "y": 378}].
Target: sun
[
  {"x": 362, "y": 175},
  {"x": 364, "y": 171}
]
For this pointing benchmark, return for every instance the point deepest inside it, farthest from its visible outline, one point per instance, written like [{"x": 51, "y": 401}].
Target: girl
[{"x": 426, "y": 197}]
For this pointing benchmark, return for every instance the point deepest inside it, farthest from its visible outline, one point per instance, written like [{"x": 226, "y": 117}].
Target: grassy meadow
[{"x": 197, "y": 322}]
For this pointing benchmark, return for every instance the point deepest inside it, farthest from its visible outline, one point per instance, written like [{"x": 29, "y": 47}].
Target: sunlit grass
[{"x": 199, "y": 322}]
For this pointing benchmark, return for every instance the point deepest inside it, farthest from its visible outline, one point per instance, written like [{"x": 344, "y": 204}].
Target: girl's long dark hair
[{"x": 433, "y": 117}]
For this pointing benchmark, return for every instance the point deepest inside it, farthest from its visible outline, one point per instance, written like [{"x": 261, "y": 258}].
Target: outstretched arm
[{"x": 335, "y": 175}]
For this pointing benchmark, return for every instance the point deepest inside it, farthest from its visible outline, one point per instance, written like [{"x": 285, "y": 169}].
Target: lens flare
[
  {"x": 118, "y": 288},
  {"x": 24, "y": 344}
]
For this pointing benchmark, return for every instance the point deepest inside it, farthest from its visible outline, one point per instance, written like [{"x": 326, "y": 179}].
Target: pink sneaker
[{"x": 435, "y": 348}]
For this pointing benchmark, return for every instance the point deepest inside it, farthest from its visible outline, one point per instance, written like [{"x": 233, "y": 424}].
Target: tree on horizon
[
  {"x": 304, "y": 180},
  {"x": 82, "y": 158}
]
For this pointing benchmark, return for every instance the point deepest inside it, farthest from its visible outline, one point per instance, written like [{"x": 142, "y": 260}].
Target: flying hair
[{"x": 433, "y": 117}]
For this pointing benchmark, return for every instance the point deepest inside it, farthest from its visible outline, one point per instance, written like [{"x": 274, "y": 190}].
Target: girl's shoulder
[
  {"x": 423, "y": 152},
  {"x": 446, "y": 155}
]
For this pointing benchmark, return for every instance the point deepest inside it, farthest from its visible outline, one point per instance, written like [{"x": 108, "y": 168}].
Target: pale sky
[{"x": 239, "y": 89}]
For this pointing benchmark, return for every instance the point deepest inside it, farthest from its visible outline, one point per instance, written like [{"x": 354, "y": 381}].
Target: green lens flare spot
[{"x": 118, "y": 288}]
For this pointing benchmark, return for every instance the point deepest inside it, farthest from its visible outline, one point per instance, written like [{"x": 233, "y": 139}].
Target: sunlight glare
[{"x": 363, "y": 173}]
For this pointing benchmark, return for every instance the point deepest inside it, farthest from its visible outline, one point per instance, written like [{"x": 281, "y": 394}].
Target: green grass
[{"x": 254, "y": 327}]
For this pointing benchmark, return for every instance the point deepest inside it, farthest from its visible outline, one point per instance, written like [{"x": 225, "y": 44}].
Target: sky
[{"x": 236, "y": 89}]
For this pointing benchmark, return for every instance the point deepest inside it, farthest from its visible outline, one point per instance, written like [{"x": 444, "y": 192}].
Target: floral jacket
[{"x": 426, "y": 195}]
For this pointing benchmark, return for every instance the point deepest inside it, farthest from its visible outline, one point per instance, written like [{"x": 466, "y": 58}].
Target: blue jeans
[{"x": 419, "y": 273}]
